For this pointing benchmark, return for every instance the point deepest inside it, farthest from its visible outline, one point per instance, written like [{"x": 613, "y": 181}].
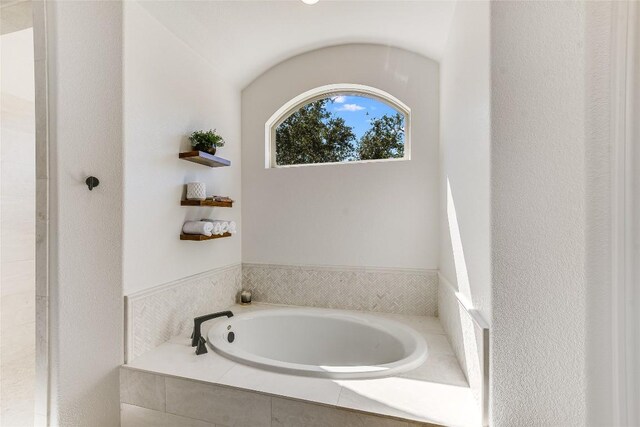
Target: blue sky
[{"x": 358, "y": 110}]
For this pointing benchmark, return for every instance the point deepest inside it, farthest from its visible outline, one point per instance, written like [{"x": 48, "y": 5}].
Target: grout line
[
  {"x": 233, "y": 365},
  {"x": 164, "y": 384},
  {"x": 165, "y": 412},
  {"x": 339, "y": 396}
]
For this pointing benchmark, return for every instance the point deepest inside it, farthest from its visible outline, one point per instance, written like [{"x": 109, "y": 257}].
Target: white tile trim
[
  {"x": 342, "y": 268},
  {"x": 475, "y": 315},
  {"x": 483, "y": 327},
  {"x": 176, "y": 283}
]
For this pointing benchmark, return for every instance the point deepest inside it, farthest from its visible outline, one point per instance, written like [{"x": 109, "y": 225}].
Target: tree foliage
[
  {"x": 312, "y": 134},
  {"x": 384, "y": 140}
]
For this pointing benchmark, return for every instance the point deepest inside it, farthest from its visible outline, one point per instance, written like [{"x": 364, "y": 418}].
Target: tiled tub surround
[
  {"x": 156, "y": 315},
  {"x": 172, "y": 386},
  {"x": 388, "y": 290}
]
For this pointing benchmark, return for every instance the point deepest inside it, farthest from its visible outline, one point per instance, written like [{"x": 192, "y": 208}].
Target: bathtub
[{"x": 319, "y": 343}]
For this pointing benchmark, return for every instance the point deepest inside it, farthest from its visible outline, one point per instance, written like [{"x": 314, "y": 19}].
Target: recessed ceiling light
[{"x": 310, "y": 1}]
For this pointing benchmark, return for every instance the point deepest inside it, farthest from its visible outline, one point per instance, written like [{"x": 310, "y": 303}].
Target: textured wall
[
  {"x": 170, "y": 91},
  {"x": 538, "y": 213},
  {"x": 86, "y": 310},
  {"x": 381, "y": 214}
]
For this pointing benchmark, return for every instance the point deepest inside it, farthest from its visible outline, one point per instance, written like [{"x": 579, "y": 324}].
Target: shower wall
[{"x": 17, "y": 229}]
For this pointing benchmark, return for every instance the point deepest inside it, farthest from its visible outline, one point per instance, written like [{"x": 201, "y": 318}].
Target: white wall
[
  {"x": 465, "y": 156},
  {"x": 546, "y": 283},
  {"x": 634, "y": 357},
  {"x": 612, "y": 59},
  {"x": 382, "y": 214},
  {"x": 17, "y": 64},
  {"x": 601, "y": 338},
  {"x": 17, "y": 167},
  {"x": 465, "y": 139},
  {"x": 244, "y": 30},
  {"x": 538, "y": 229},
  {"x": 86, "y": 309},
  {"x": 17, "y": 229},
  {"x": 170, "y": 91}
]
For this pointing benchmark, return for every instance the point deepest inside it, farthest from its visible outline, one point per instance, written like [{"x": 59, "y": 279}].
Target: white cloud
[
  {"x": 340, "y": 99},
  {"x": 350, "y": 107}
]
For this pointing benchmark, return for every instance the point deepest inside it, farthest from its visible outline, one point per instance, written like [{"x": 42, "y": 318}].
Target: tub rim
[{"x": 216, "y": 340}]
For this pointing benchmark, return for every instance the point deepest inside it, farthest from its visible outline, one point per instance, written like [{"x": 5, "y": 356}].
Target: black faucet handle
[
  {"x": 201, "y": 348},
  {"x": 197, "y": 322}
]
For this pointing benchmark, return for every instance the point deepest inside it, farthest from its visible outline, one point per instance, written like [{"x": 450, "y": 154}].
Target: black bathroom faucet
[{"x": 196, "y": 336}]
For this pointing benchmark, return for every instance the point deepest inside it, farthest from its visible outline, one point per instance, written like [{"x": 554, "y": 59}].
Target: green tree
[
  {"x": 384, "y": 140},
  {"x": 313, "y": 135}
]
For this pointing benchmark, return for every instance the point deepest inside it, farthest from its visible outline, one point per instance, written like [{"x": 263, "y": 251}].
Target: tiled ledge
[{"x": 171, "y": 381}]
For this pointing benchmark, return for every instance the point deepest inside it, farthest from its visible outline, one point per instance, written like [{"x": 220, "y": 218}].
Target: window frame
[{"x": 326, "y": 91}]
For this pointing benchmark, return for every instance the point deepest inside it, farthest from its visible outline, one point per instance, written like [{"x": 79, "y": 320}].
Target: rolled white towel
[
  {"x": 225, "y": 226},
  {"x": 217, "y": 229},
  {"x": 197, "y": 227}
]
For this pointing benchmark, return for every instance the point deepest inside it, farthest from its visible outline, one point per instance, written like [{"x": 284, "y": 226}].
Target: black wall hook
[{"x": 92, "y": 182}]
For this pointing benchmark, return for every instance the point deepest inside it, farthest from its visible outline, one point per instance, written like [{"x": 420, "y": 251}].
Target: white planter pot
[{"x": 196, "y": 191}]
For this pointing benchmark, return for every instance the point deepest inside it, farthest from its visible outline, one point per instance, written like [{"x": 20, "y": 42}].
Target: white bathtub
[{"x": 319, "y": 343}]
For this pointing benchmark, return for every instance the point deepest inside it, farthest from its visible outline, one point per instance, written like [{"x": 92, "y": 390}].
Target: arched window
[{"x": 341, "y": 123}]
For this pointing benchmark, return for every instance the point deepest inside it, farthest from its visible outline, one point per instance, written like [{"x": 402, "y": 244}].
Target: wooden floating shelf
[
  {"x": 206, "y": 203},
  {"x": 204, "y": 159},
  {"x": 200, "y": 237}
]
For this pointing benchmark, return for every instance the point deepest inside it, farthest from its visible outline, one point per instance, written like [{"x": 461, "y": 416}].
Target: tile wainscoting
[
  {"x": 468, "y": 335},
  {"x": 157, "y": 314},
  {"x": 389, "y": 290},
  {"x": 157, "y": 400}
]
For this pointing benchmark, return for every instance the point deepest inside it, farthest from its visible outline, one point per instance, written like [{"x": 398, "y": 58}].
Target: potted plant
[{"x": 206, "y": 141}]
